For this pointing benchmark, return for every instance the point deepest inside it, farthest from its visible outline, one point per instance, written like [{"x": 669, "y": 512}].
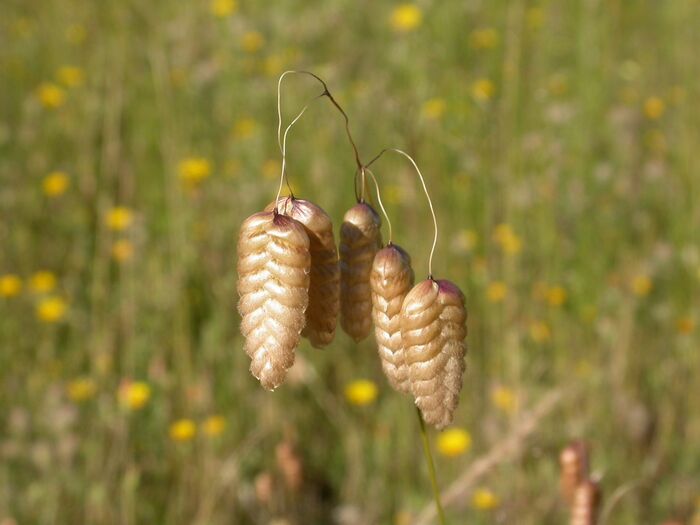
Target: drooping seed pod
[
  {"x": 391, "y": 279},
  {"x": 324, "y": 285},
  {"x": 273, "y": 285},
  {"x": 433, "y": 328},
  {"x": 573, "y": 463},
  {"x": 586, "y": 503},
  {"x": 360, "y": 239}
]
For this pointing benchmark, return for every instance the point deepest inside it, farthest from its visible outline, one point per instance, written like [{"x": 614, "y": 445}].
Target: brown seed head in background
[
  {"x": 586, "y": 503},
  {"x": 360, "y": 239},
  {"x": 324, "y": 285},
  {"x": 573, "y": 463},
  {"x": 433, "y": 328},
  {"x": 273, "y": 285},
  {"x": 391, "y": 279}
]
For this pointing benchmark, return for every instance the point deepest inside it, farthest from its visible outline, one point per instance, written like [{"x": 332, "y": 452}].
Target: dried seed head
[
  {"x": 360, "y": 239},
  {"x": 586, "y": 503},
  {"x": 273, "y": 285},
  {"x": 433, "y": 328},
  {"x": 290, "y": 465},
  {"x": 391, "y": 279},
  {"x": 573, "y": 462},
  {"x": 324, "y": 286}
]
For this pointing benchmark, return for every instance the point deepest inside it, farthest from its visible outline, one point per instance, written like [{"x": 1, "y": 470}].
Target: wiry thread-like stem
[
  {"x": 326, "y": 93},
  {"x": 381, "y": 204},
  {"x": 283, "y": 150},
  {"x": 430, "y": 202},
  {"x": 431, "y": 468}
]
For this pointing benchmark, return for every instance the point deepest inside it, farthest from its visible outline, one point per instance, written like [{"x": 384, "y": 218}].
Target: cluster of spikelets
[
  {"x": 292, "y": 283},
  {"x": 580, "y": 492}
]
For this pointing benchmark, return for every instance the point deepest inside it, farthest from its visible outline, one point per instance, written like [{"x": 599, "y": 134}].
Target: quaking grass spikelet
[
  {"x": 573, "y": 462},
  {"x": 324, "y": 285},
  {"x": 586, "y": 504},
  {"x": 391, "y": 279},
  {"x": 273, "y": 285},
  {"x": 360, "y": 239},
  {"x": 433, "y": 328}
]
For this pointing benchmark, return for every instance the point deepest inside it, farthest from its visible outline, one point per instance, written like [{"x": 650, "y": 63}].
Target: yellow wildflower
[
  {"x": 183, "y": 430},
  {"x": 685, "y": 325},
  {"x": 252, "y": 41},
  {"x": 454, "y": 442},
  {"x": 223, "y": 8},
  {"x": 654, "y": 108},
  {"x": 504, "y": 399},
  {"x": 540, "y": 332},
  {"x": 465, "y": 241},
  {"x": 434, "y": 108},
  {"x": 406, "y": 17},
  {"x": 484, "y": 499},
  {"x": 51, "y": 309},
  {"x": 361, "y": 392},
  {"x": 556, "y": 296},
  {"x": 244, "y": 128},
  {"x": 75, "y": 34},
  {"x": 70, "y": 76},
  {"x": 119, "y": 218},
  {"x": 42, "y": 282},
  {"x": 55, "y": 184},
  {"x": 81, "y": 389},
  {"x": 50, "y": 95},
  {"x": 641, "y": 285},
  {"x": 122, "y": 250},
  {"x": 194, "y": 170},
  {"x": 271, "y": 169},
  {"x": 485, "y": 38},
  {"x": 10, "y": 285},
  {"x": 507, "y": 239},
  {"x": 496, "y": 291},
  {"x": 214, "y": 425},
  {"x": 483, "y": 90},
  {"x": 134, "y": 394}
]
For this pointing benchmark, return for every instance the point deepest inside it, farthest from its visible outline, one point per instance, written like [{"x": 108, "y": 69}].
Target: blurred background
[{"x": 558, "y": 140}]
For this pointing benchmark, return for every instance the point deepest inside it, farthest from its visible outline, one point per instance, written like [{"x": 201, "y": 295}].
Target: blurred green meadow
[{"x": 559, "y": 141}]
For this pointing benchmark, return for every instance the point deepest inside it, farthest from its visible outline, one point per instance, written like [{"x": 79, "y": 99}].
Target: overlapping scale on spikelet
[
  {"x": 433, "y": 328},
  {"x": 273, "y": 285},
  {"x": 360, "y": 239},
  {"x": 324, "y": 286},
  {"x": 391, "y": 279}
]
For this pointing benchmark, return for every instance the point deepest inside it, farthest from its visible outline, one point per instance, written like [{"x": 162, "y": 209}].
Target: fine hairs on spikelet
[
  {"x": 391, "y": 279},
  {"x": 586, "y": 504},
  {"x": 573, "y": 462},
  {"x": 433, "y": 328},
  {"x": 273, "y": 285},
  {"x": 360, "y": 239},
  {"x": 324, "y": 285}
]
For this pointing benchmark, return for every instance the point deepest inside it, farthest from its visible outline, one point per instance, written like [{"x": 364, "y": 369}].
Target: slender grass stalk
[{"x": 431, "y": 468}]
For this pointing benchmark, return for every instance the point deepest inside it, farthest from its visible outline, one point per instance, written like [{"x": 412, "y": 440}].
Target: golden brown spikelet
[
  {"x": 391, "y": 279},
  {"x": 573, "y": 462},
  {"x": 433, "y": 328},
  {"x": 360, "y": 239},
  {"x": 324, "y": 286},
  {"x": 586, "y": 504},
  {"x": 273, "y": 285}
]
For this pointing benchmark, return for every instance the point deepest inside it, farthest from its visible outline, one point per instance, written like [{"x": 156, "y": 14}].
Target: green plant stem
[{"x": 431, "y": 468}]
